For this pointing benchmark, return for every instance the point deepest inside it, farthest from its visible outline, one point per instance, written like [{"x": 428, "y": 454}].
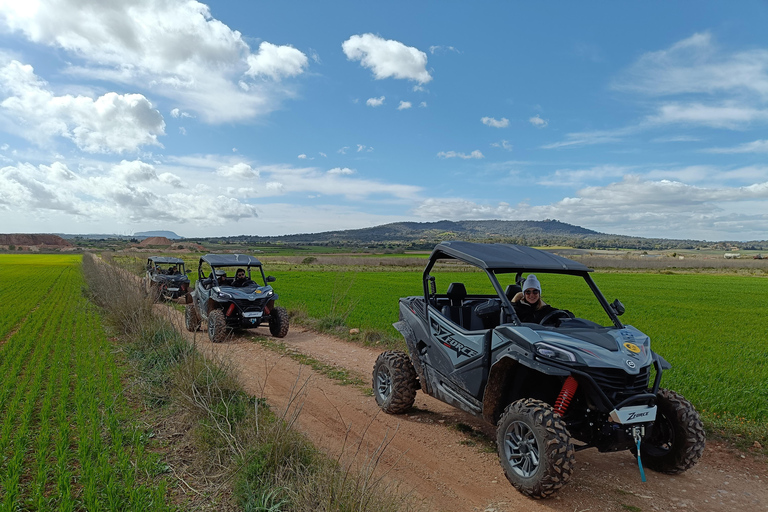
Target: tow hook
[{"x": 637, "y": 434}]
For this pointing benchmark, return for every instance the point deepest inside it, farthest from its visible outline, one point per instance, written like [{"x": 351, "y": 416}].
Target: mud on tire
[
  {"x": 278, "y": 322},
  {"x": 677, "y": 440},
  {"x": 217, "y": 326},
  {"x": 394, "y": 382},
  {"x": 191, "y": 318},
  {"x": 535, "y": 448}
]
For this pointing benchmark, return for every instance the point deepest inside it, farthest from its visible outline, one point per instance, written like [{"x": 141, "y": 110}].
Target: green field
[{"x": 66, "y": 439}]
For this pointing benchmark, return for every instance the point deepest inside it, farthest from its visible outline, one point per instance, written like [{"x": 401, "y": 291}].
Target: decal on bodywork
[{"x": 447, "y": 338}]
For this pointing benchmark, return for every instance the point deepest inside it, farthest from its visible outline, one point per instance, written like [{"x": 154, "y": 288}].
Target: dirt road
[{"x": 445, "y": 467}]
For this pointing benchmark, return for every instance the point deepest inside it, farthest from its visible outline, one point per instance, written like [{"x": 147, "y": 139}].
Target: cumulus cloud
[
  {"x": 375, "y": 102},
  {"x": 173, "y": 47},
  {"x": 387, "y": 58},
  {"x": 404, "y": 105},
  {"x": 453, "y": 154},
  {"x": 237, "y": 171},
  {"x": 276, "y": 62},
  {"x": 538, "y": 122},
  {"x": 176, "y": 113},
  {"x": 127, "y": 191},
  {"x": 110, "y": 123},
  {"x": 495, "y": 123}
]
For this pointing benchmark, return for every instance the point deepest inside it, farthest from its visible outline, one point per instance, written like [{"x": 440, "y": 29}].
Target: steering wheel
[{"x": 553, "y": 315}]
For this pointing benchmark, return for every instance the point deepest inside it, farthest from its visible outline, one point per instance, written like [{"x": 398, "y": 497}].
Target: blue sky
[{"x": 269, "y": 118}]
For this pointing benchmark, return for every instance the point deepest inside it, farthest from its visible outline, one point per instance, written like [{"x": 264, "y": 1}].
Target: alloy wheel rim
[
  {"x": 522, "y": 449},
  {"x": 384, "y": 382}
]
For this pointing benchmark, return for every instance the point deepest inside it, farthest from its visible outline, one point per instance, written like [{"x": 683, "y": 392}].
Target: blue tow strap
[{"x": 639, "y": 462}]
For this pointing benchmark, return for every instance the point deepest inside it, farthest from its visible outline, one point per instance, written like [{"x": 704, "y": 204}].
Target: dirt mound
[
  {"x": 155, "y": 240},
  {"x": 23, "y": 239}
]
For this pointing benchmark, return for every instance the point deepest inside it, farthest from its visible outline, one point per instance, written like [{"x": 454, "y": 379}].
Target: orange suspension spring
[{"x": 566, "y": 395}]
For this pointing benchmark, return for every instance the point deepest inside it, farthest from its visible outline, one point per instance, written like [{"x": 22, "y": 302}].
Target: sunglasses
[
  {"x": 531, "y": 292},
  {"x": 240, "y": 275}
]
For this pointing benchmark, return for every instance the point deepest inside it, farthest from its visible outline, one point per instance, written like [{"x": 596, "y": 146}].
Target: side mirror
[
  {"x": 271, "y": 279},
  {"x": 617, "y": 307}
]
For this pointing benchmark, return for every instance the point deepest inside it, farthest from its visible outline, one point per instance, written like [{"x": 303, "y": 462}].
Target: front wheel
[
  {"x": 217, "y": 326},
  {"x": 278, "y": 322},
  {"x": 394, "y": 382},
  {"x": 191, "y": 318},
  {"x": 677, "y": 440},
  {"x": 535, "y": 448}
]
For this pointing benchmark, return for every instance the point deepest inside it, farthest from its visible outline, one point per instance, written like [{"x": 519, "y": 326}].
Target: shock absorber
[{"x": 566, "y": 395}]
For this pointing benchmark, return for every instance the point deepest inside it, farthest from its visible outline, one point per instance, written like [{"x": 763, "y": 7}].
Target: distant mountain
[
  {"x": 167, "y": 234},
  {"x": 137, "y": 236},
  {"x": 525, "y": 232}
]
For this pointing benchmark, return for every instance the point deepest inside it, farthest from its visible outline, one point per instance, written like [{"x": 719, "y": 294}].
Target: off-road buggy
[
  {"x": 166, "y": 279},
  {"x": 227, "y": 303},
  {"x": 551, "y": 388}
]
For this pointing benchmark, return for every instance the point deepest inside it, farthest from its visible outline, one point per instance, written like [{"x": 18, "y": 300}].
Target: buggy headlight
[
  {"x": 222, "y": 294},
  {"x": 556, "y": 353}
]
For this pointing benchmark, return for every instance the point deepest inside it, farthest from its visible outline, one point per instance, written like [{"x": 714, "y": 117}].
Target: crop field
[
  {"x": 66, "y": 439},
  {"x": 713, "y": 329}
]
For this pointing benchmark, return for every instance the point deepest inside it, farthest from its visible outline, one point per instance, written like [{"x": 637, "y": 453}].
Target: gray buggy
[
  {"x": 225, "y": 302},
  {"x": 166, "y": 279},
  {"x": 552, "y": 388}
]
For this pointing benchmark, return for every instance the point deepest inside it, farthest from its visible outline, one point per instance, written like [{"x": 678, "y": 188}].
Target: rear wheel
[
  {"x": 677, "y": 440},
  {"x": 394, "y": 382},
  {"x": 278, "y": 322},
  {"x": 191, "y": 318},
  {"x": 217, "y": 326},
  {"x": 535, "y": 448}
]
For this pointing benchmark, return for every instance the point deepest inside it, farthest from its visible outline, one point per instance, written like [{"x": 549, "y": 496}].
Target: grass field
[{"x": 66, "y": 439}]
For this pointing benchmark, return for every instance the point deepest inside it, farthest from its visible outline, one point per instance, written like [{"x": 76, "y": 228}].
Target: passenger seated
[
  {"x": 241, "y": 279},
  {"x": 528, "y": 304}
]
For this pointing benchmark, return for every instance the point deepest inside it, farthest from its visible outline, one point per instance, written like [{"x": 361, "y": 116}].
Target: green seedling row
[{"x": 66, "y": 437}]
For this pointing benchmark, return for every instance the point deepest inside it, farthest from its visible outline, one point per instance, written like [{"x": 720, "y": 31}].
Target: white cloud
[
  {"x": 343, "y": 150},
  {"x": 302, "y": 156},
  {"x": 697, "y": 65},
  {"x": 130, "y": 191},
  {"x": 110, "y": 123},
  {"x": 387, "y": 58},
  {"x": 538, "y": 122},
  {"x": 728, "y": 115},
  {"x": 495, "y": 123},
  {"x": 404, "y": 105},
  {"x": 504, "y": 144},
  {"x": 178, "y": 113},
  {"x": 237, "y": 171},
  {"x": 375, "y": 102},
  {"x": 453, "y": 154},
  {"x": 172, "y": 47},
  {"x": 276, "y": 62},
  {"x": 341, "y": 171},
  {"x": 758, "y": 146},
  {"x": 633, "y": 206},
  {"x": 423, "y": 104}
]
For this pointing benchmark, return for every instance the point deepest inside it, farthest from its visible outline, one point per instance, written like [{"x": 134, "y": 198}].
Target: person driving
[
  {"x": 528, "y": 304},
  {"x": 241, "y": 279}
]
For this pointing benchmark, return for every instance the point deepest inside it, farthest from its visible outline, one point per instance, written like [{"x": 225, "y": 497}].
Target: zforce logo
[
  {"x": 444, "y": 337},
  {"x": 634, "y": 415}
]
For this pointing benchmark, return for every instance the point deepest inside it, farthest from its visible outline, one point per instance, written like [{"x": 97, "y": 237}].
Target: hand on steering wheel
[{"x": 554, "y": 315}]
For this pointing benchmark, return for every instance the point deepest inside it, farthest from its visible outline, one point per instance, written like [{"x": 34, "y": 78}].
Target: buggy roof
[
  {"x": 225, "y": 260},
  {"x": 166, "y": 259},
  {"x": 507, "y": 257}
]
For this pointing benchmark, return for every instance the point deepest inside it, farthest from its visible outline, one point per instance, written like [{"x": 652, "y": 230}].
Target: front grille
[
  {"x": 618, "y": 384},
  {"x": 248, "y": 306}
]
